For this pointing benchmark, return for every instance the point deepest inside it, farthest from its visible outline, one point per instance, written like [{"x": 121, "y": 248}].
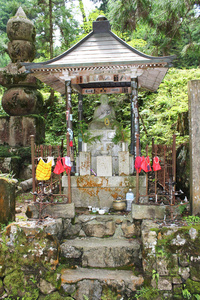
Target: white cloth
[{"x": 51, "y": 158}]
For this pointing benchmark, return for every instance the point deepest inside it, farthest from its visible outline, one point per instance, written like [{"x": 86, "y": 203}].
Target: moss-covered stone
[
  {"x": 17, "y": 285},
  {"x": 7, "y": 200},
  {"x": 177, "y": 289},
  {"x": 192, "y": 286},
  {"x": 54, "y": 296},
  {"x": 195, "y": 271},
  {"x": 1, "y": 288}
]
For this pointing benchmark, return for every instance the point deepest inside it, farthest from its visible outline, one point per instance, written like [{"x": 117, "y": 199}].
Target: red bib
[
  {"x": 156, "y": 165},
  {"x": 138, "y": 161},
  {"x": 59, "y": 167},
  {"x": 146, "y": 165}
]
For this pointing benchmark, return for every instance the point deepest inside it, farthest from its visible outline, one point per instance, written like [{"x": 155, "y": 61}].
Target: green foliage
[
  {"x": 85, "y": 135},
  {"x": 192, "y": 220},
  {"x": 160, "y": 111},
  {"x": 168, "y": 27},
  {"x": 182, "y": 208},
  {"x": 186, "y": 293},
  {"x": 121, "y": 134},
  {"x": 155, "y": 276},
  {"x": 147, "y": 293}
]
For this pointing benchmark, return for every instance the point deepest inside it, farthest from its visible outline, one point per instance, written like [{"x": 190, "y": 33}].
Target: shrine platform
[{"x": 100, "y": 191}]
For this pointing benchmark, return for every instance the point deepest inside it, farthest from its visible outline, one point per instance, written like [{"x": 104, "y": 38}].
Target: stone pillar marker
[
  {"x": 104, "y": 165},
  {"x": 85, "y": 163},
  {"x": 7, "y": 200},
  {"x": 124, "y": 163},
  {"x": 194, "y": 125}
]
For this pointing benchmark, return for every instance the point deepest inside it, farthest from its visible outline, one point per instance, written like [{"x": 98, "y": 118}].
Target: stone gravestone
[
  {"x": 194, "y": 124},
  {"x": 7, "y": 200}
]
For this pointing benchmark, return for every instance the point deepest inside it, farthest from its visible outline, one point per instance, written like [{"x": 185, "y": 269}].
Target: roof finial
[
  {"x": 20, "y": 13},
  {"x": 101, "y": 18}
]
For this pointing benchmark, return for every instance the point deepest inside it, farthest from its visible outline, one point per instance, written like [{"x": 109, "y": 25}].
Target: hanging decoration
[
  {"x": 138, "y": 162},
  {"x": 156, "y": 164},
  {"x": 67, "y": 164},
  {"x": 59, "y": 167},
  {"x": 146, "y": 164},
  {"x": 43, "y": 170}
]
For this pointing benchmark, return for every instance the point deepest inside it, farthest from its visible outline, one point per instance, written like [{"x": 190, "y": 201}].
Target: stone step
[
  {"x": 90, "y": 282},
  {"x": 102, "y": 253}
]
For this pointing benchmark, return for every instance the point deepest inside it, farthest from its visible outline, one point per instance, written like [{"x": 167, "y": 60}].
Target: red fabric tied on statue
[
  {"x": 138, "y": 162},
  {"x": 156, "y": 164},
  {"x": 67, "y": 164},
  {"x": 71, "y": 144},
  {"x": 146, "y": 165},
  {"x": 59, "y": 167}
]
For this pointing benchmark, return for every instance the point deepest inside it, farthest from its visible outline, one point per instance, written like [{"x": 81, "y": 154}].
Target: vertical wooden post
[
  {"x": 80, "y": 118},
  {"x": 68, "y": 175},
  {"x": 134, "y": 114},
  {"x": 174, "y": 166},
  {"x": 165, "y": 166},
  {"x": 156, "y": 175},
  {"x": 152, "y": 150},
  {"x": 137, "y": 174},
  {"x": 68, "y": 104},
  {"x": 33, "y": 165},
  {"x": 147, "y": 173}
]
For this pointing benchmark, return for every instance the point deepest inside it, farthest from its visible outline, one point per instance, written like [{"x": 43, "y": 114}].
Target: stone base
[
  {"x": 100, "y": 191},
  {"x": 16, "y": 131}
]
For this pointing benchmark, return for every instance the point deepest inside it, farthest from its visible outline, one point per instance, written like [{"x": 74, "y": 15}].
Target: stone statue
[{"x": 104, "y": 115}]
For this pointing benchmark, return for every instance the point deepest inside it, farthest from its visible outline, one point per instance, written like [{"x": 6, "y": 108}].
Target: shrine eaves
[{"x": 102, "y": 63}]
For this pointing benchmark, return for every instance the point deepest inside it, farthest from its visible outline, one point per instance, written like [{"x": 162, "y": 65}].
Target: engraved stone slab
[
  {"x": 123, "y": 163},
  {"x": 104, "y": 165},
  {"x": 84, "y": 163}
]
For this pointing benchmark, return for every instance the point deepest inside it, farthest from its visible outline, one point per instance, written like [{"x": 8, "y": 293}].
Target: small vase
[
  {"x": 123, "y": 146},
  {"x": 84, "y": 147}
]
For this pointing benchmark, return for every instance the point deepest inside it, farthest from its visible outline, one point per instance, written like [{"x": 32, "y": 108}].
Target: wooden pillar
[
  {"x": 33, "y": 164},
  {"x": 137, "y": 174},
  {"x": 68, "y": 175},
  {"x": 68, "y": 104},
  {"x": 194, "y": 124},
  {"x": 134, "y": 114},
  {"x": 80, "y": 119}
]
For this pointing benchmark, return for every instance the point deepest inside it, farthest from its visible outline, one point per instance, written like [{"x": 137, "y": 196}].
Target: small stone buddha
[{"x": 104, "y": 115}]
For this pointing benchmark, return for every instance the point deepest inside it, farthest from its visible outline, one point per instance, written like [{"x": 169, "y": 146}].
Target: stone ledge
[
  {"x": 114, "y": 277},
  {"x": 64, "y": 211},
  {"x": 141, "y": 212},
  {"x": 102, "y": 253}
]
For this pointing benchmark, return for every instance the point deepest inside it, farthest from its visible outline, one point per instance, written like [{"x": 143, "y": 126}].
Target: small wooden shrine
[{"x": 102, "y": 63}]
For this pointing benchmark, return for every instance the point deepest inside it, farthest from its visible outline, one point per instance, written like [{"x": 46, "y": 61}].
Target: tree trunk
[{"x": 83, "y": 14}]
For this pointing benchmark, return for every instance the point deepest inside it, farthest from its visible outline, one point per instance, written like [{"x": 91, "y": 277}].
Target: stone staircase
[{"x": 102, "y": 257}]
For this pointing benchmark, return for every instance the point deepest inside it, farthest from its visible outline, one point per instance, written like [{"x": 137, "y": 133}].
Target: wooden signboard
[{"x": 111, "y": 90}]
